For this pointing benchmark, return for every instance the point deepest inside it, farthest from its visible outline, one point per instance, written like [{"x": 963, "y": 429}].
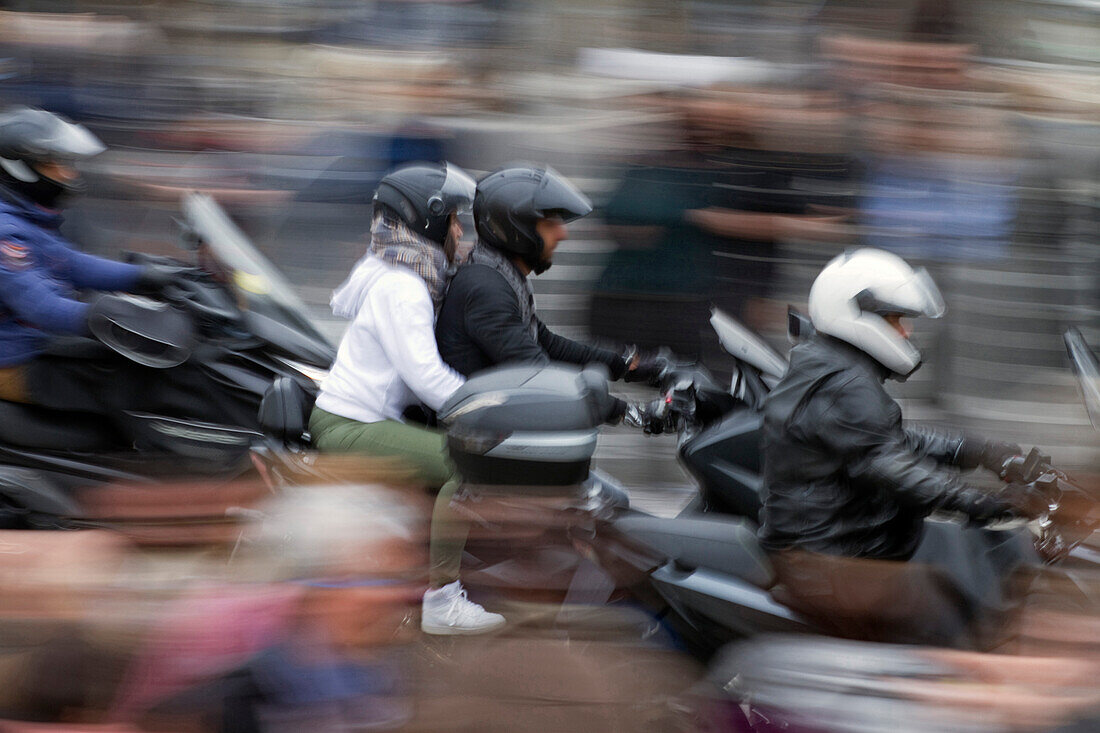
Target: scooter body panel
[
  {"x": 725, "y": 458},
  {"x": 722, "y": 605}
]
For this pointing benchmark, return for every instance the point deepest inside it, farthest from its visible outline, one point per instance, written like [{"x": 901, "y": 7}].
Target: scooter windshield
[
  {"x": 1087, "y": 370},
  {"x": 262, "y": 288}
]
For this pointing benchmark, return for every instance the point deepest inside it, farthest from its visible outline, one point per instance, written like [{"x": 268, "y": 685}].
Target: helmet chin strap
[{"x": 537, "y": 264}]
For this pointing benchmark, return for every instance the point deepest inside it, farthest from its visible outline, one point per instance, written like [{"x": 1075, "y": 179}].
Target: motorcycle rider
[
  {"x": 488, "y": 316},
  {"x": 41, "y": 272},
  {"x": 843, "y": 477},
  {"x": 388, "y": 361}
]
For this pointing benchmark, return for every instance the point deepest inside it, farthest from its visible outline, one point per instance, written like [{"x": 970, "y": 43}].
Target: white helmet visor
[{"x": 914, "y": 297}]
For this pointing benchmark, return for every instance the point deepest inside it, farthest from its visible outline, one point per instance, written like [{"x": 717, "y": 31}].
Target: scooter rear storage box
[{"x": 527, "y": 425}]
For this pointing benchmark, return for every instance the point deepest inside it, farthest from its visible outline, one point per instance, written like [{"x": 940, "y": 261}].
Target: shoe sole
[{"x": 459, "y": 630}]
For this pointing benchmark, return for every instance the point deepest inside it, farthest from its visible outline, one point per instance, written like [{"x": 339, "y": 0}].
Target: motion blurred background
[{"x": 732, "y": 148}]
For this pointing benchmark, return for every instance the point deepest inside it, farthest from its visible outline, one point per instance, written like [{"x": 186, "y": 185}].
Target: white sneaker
[{"x": 447, "y": 610}]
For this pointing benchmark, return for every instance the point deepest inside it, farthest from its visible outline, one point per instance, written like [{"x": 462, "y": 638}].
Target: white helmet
[{"x": 855, "y": 290}]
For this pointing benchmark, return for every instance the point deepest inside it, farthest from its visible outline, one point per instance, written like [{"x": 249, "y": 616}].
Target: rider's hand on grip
[
  {"x": 995, "y": 455},
  {"x": 1025, "y": 500},
  {"x": 155, "y": 279},
  {"x": 982, "y": 508},
  {"x": 655, "y": 417},
  {"x": 647, "y": 366}
]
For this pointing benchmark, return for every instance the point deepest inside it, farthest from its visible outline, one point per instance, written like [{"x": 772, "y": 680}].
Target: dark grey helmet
[
  {"x": 511, "y": 200},
  {"x": 29, "y": 137},
  {"x": 424, "y": 195}
]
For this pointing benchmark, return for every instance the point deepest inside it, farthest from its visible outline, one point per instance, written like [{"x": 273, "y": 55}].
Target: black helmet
[
  {"x": 29, "y": 137},
  {"x": 424, "y": 195},
  {"x": 511, "y": 200}
]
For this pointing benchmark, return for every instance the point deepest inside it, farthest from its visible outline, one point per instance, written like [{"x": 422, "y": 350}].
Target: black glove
[
  {"x": 990, "y": 454},
  {"x": 153, "y": 279},
  {"x": 982, "y": 508},
  {"x": 618, "y": 410},
  {"x": 646, "y": 366},
  {"x": 1025, "y": 500}
]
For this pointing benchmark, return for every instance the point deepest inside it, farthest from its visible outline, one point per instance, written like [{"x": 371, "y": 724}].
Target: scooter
[
  {"x": 246, "y": 328},
  {"x": 703, "y": 571}
]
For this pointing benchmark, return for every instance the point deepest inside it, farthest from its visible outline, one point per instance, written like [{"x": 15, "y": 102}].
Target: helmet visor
[
  {"x": 555, "y": 196},
  {"x": 457, "y": 190},
  {"x": 914, "y": 297},
  {"x": 63, "y": 140}
]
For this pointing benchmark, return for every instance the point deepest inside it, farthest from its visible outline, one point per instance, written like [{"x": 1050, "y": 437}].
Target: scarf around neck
[
  {"x": 483, "y": 254},
  {"x": 394, "y": 242}
]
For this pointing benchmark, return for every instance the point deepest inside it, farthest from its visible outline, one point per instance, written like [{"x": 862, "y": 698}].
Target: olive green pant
[{"x": 425, "y": 452}]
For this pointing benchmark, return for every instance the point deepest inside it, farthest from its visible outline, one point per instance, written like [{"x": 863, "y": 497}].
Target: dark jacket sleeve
[
  {"x": 560, "y": 348},
  {"x": 865, "y": 425},
  {"x": 940, "y": 446},
  {"x": 494, "y": 322},
  {"x": 85, "y": 271},
  {"x": 27, "y": 293}
]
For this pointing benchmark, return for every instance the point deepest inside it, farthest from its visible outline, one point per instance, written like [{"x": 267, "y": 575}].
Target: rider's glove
[
  {"x": 646, "y": 366},
  {"x": 153, "y": 279},
  {"x": 1025, "y": 500},
  {"x": 996, "y": 454},
  {"x": 990, "y": 454},
  {"x": 983, "y": 508},
  {"x": 619, "y": 409}
]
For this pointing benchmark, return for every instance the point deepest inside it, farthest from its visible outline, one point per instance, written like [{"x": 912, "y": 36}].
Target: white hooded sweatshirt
[{"x": 388, "y": 358}]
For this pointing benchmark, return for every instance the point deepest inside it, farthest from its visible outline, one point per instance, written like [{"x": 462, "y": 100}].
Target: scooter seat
[
  {"x": 727, "y": 545},
  {"x": 30, "y": 426}
]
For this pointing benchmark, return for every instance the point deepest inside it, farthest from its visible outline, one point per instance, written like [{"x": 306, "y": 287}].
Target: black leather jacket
[
  {"x": 480, "y": 326},
  {"x": 842, "y": 476}
]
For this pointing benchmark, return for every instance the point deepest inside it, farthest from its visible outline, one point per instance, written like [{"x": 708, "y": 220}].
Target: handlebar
[
  {"x": 1068, "y": 518},
  {"x": 690, "y": 399}
]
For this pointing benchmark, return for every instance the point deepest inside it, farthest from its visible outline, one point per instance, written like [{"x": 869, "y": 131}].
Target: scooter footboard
[{"x": 721, "y": 606}]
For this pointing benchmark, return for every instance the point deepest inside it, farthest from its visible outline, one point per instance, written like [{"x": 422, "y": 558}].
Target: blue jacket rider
[{"x": 39, "y": 272}]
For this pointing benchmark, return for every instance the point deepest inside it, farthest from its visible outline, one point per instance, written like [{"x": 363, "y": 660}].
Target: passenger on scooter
[
  {"x": 41, "y": 273},
  {"x": 488, "y": 317},
  {"x": 388, "y": 361},
  {"x": 843, "y": 477}
]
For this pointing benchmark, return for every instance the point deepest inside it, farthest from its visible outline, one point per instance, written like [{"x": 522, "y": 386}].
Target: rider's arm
[
  {"x": 560, "y": 348},
  {"x": 85, "y": 271},
  {"x": 864, "y": 424},
  {"x": 404, "y": 320},
  {"x": 940, "y": 446},
  {"x": 27, "y": 292},
  {"x": 963, "y": 451}
]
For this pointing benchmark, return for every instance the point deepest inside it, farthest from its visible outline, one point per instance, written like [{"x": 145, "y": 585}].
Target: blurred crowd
[{"x": 732, "y": 148}]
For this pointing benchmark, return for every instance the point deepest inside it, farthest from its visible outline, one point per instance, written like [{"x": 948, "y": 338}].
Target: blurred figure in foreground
[
  {"x": 820, "y": 685},
  {"x": 312, "y": 642},
  {"x": 845, "y": 481}
]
